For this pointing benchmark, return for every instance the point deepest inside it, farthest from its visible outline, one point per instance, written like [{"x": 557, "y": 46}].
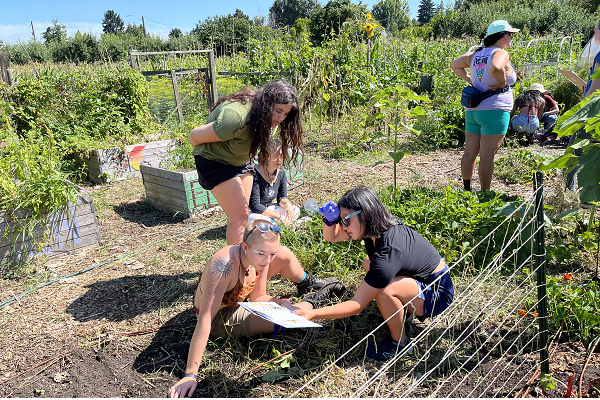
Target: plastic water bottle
[{"x": 311, "y": 206}]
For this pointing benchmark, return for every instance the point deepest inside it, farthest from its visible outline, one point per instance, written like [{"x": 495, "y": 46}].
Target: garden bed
[
  {"x": 107, "y": 165},
  {"x": 74, "y": 227},
  {"x": 181, "y": 191},
  {"x": 175, "y": 191}
]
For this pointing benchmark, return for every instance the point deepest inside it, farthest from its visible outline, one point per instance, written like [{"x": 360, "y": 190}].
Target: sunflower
[
  {"x": 368, "y": 27},
  {"x": 369, "y": 17},
  {"x": 371, "y": 34}
]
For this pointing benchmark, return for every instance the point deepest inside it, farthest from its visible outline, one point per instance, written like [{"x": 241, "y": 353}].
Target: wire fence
[{"x": 488, "y": 342}]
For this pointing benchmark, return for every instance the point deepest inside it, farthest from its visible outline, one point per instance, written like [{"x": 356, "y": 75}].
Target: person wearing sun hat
[
  {"x": 551, "y": 110},
  {"x": 489, "y": 68}
]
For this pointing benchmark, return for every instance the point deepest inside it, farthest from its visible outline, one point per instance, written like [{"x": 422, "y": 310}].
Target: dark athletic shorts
[
  {"x": 438, "y": 296},
  {"x": 212, "y": 173}
]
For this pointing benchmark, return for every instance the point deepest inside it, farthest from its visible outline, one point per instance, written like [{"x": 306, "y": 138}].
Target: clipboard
[{"x": 575, "y": 80}]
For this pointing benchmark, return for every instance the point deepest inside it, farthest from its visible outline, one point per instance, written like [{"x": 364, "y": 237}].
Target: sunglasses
[
  {"x": 264, "y": 227},
  {"x": 509, "y": 34},
  {"x": 344, "y": 221}
]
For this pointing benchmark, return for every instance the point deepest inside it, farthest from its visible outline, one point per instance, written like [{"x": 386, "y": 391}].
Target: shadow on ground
[
  {"x": 124, "y": 298},
  {"x": 142, "y": 212}
]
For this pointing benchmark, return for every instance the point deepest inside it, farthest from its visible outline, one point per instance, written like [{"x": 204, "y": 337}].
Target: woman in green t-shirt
[{"x": 237, "y": 130}]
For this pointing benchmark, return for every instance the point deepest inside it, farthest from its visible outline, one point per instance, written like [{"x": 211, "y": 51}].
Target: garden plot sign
[{"x": 116, "y": 163}]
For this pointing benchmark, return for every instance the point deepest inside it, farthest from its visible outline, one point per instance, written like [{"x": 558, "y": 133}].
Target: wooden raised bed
[
  {"x": 72, "y": 228},
  {"x": 181, "y": 191},
  {"x": 176, "y": 191},
  {"x": 113, "y": 164}
]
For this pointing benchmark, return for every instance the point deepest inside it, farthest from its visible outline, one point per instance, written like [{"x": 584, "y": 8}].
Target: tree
[
  {"x": 175, "y": 33},
  {"x": 393, "y": 15},
  {"x": 112, "y": 22},
  {"x": 426, "y": 11},
  {"x": 135, "y": 30},
  {"x": 331, "y": 17},
  {"x": 55, "y": 33},
  {"x": 286, "y": 12}
]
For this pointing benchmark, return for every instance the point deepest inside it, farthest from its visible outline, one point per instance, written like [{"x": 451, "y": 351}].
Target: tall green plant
[{"x": 393, "y": 105}]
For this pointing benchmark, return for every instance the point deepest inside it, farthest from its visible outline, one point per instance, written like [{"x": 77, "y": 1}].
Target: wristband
[
  {"x": 190, "y": 375},
  {"x": 329, "y": 223}
]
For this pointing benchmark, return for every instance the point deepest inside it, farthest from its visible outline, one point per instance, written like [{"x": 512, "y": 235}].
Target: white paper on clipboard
[
  {"x": 576, "y": 80},
  {"x": 277, "y": 314}
]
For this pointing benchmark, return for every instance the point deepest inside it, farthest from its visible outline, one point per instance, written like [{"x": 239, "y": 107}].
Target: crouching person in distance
[
  {"x": 400, "y": 265},
  {"x": 238, "y": 272}
]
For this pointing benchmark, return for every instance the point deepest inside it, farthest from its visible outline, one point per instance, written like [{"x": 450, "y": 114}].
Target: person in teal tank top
[
  {"x": 487, "y": 68},
  {"x": 237, "y": 130}
]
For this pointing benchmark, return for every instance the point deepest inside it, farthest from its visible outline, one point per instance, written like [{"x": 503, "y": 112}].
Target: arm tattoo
[{"x": 221, "y": 267}]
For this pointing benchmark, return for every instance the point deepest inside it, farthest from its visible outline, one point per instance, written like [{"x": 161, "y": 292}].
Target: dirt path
[{"x": 96, "y": 318}]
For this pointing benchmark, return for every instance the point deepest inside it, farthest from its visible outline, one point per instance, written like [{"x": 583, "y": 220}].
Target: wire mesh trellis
[{"x": 490, "y": 340}]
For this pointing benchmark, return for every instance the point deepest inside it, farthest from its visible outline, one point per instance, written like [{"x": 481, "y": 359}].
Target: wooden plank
[
  {"x": 86, "y": 241},
  {"x": 190, "y": 176},
  {"x": 165, "y": 198},
  {"x": 153, "y": 187},
  {"x": 167, "y": 143},
  {"x": 168, "y": 207},
  {"x": 213, "y": 95},
  {"x": 65, "y": 236},
  {"x": 163, "y": 173},
  {"x": 167, "y": 72},
  {"x": 177, "y": 97},
  {"x": 166, "y": 183},
  {"x": 151, "y": 53}
]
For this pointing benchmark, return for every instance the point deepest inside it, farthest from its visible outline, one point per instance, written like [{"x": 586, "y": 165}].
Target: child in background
[{"x": 270, "y": 184}]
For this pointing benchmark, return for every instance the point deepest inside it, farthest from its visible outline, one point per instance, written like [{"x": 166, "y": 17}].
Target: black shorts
[{"x": 212, "y": 173}]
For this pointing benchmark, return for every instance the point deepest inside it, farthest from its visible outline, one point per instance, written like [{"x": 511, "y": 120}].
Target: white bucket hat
[{"x": 539, "y": 87}]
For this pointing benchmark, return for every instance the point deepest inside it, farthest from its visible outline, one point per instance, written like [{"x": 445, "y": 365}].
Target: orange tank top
[{"x": 231, "y": 297}]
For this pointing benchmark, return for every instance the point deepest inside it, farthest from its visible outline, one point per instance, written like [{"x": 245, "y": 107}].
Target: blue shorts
[
  {"x": 525, "y": 123},
  {"x": 487, "y": 122},
  {"x": 438, "y": 296}
]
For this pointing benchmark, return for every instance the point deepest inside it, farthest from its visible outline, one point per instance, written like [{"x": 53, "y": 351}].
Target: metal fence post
[{"x": 540, "y": 260}]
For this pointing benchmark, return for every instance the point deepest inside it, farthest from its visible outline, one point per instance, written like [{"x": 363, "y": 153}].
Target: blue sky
[{"x": 161, "y": 17}]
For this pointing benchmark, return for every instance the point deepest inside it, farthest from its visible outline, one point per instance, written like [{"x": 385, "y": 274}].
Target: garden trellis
[
  {"x": 455, "y": 345},
  {"x": 205, "y": 77},
  {"x": 547, "y": 52}
]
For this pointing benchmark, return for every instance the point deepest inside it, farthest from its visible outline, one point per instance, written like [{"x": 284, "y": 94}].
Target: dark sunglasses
[
  {"x": 264, "y": 227},
  {"x": 344, "y": 221}
]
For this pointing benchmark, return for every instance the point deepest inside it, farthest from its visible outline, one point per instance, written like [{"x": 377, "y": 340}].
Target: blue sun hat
[{"x": 500, "y": 26}]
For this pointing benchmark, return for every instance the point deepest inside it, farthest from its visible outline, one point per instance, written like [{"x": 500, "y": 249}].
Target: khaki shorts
[{"x": 231, "y": 321}]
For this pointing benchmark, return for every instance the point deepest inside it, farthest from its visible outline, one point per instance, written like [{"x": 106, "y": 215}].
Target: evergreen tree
[
  {"x": 55, "y": 33},
  {"x": 175, "y": 33},
  {"x": 112, "y": 22},
  {"x": 426, "y": 11}
]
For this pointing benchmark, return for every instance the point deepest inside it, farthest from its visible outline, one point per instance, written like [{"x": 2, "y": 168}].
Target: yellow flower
[
  {"x": 368, "y": 27},
  {"x": 374, "y": 26},
  {"x": 369, "y": 17},
  {"x": 371, "y": 34}
]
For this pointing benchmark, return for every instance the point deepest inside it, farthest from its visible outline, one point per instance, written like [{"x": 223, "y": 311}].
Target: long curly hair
[
  {"x": 529, "y": 97},
  {"x": 260, "y": 119}
]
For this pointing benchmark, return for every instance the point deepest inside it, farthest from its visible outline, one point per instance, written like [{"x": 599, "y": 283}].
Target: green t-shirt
[{"x": 229, "y": 122}]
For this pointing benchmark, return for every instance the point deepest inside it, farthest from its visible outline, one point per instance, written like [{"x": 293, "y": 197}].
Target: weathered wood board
[
  {"x": 74, "y": 227},
  {"x": 113, "y": 164},
  {"x": 176, "y": 191},
  {"x": 181, "y": 191}
]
